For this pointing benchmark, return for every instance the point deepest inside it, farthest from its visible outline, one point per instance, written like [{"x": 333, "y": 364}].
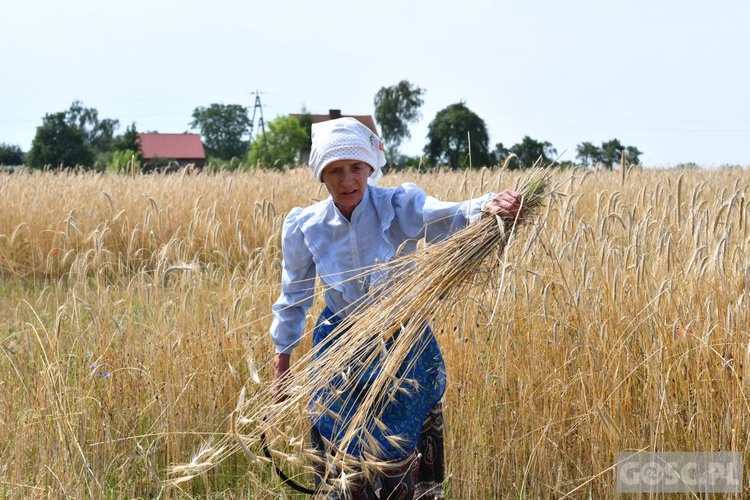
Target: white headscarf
[{"x": 345, "y": 139}]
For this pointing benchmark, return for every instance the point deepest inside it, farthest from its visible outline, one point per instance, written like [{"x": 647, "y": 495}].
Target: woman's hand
[
  {"x": 507, "y": 205},
  {"x": 278, "y": 386}
]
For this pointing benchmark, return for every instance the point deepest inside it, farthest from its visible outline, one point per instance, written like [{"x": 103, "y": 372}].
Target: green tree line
[{"x": 457, "y": 138}]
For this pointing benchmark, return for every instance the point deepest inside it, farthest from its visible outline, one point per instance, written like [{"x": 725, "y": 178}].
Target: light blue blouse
[{"x": 319, "y": 240}]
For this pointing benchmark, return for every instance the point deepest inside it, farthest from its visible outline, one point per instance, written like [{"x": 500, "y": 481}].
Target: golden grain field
[{"x": 133, "y": 310}]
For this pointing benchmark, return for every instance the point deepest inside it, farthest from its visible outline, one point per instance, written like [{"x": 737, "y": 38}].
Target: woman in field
[{"x": 360, "y": 226}]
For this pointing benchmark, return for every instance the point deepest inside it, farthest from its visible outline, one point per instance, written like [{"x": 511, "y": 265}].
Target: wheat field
[{"x": 134, "y": 309}]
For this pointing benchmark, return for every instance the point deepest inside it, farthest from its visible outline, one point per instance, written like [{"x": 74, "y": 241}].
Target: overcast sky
[{"x": 669, "y": 77}]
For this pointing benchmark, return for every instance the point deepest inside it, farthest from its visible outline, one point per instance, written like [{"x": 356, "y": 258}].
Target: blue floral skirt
[{"x": 401, "y": 413}]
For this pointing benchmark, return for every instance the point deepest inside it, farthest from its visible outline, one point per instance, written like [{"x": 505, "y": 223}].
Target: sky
[{"x": 669, "y": 77}]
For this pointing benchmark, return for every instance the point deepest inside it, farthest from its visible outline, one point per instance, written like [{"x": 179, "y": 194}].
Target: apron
[{"x": 403, "y": 412}]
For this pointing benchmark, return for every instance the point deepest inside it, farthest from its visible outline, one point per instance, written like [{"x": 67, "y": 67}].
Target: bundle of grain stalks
[{"x": 370, "y": 353}]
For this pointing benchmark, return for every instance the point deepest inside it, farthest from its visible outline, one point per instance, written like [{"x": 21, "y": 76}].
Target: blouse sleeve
[
  {"x": 423, "y": 216},
  {"x": 297, "y": 287}
]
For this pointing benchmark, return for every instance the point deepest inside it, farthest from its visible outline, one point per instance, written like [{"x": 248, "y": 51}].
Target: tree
[
  {"x": 10, "y": 155},
  {"x": 280, "y": 145},
  {"x": 395, "y": 108},
  {"x": 306, "y": 122},
  {"x": 98, "y": 133},
  {"x": 588, "y": 154},
  {"x": 128, "y": 141},
  {"x": 58, "y": 143},
  {"x": 501, "y": 153},
  {"x": 611, "y": 153},
  {"x": 456, "y": 132},
  {"x": 633, "y": 155},
  {"x": 126, "y": 151},
  {"x": 223, "y": 128},
  {"x": 529, "y": 150}
]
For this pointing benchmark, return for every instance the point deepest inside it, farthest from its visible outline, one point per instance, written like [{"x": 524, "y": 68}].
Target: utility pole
[{"x": 258, "y": 107}]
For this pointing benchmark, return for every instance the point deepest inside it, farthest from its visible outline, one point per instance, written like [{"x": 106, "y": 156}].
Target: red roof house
[
  {"x": 366, "y": 120},
  {"x": 183, "y": 149}
]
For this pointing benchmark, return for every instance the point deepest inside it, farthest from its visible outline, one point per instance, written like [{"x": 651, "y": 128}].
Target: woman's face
[{"x": 346, "y": 181}]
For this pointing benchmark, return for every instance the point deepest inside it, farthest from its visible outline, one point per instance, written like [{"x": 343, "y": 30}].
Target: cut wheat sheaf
[{"x": 381, "y": 331}]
